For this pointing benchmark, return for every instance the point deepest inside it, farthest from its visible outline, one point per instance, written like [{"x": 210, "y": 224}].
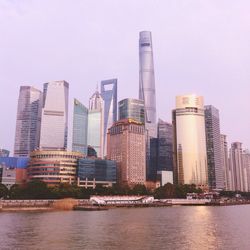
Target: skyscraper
[
  {"x": 165, "y": 146},
  {"x": 126, "y": 146},
  {"x": 246, "y": 167},
  {"x": 80, "y": 128},
  {"x": 132, "y": 108},
  {"x": 96, "y": 123},
  {"x": 109, "y": 95},
  {"x": 28, "y": 121},
  {"x": 215, "y": 170},
  {"x": 190, "y": 141},
  {"x": 54, "y": 125},
  {"x": 147, "y": 80},
  {"x": 225, "y": 163},
  {"x": 236, "y": 165}
]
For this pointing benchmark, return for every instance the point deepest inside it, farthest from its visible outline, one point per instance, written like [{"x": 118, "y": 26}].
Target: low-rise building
[
  {"x": 14, "y": 170},
  {"x": 91, "y": 172},
  {"x": 53, "y": 166}
]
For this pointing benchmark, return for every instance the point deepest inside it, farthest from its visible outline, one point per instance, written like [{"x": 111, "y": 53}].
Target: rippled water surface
[{"x": 129, "y": 228}]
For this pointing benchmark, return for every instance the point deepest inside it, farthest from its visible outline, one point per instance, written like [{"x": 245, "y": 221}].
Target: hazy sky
[{"x": 200, "y": 46}]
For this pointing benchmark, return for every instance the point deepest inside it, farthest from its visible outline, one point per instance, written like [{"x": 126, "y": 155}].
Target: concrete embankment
[{"x": 38, "y": 205}]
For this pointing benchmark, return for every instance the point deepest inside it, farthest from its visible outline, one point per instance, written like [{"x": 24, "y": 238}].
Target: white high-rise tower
[{"x": 54, "y": 124}]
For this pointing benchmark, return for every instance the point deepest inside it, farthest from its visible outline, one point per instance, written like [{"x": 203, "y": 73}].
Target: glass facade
[
  {"x": 95, "y": 131},
  {"x": 100, "y": 170},
  {"x": 109, "y": 95},
  {"x": 54, "y": 124},
  {"x": 190, "y": 141},
  {"x": 214, "y": 164},
  {"x": 147, "y": 79},
  {"x": 14, "y": 162},
  {"x": 165, "y": 146},
  {"x": 28, "y": 121},
  {"x": 132, "y": 108},
  {"x": 80, "y": 128}
]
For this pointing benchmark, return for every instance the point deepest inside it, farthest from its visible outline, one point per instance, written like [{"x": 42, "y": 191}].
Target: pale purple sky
[{"x": 200, "y": 46}]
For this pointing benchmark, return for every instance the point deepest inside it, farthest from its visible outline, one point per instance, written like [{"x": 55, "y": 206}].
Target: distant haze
[{"x": 200, "y": 46}]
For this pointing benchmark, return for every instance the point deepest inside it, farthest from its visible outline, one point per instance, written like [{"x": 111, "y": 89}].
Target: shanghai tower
[{"x": 147, "y": 80}]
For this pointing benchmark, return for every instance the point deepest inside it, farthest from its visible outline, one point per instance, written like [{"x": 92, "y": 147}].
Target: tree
[
  {"x": 3, "y": 191},
  {"x": 16, "y": 192},
  {"x": 139, "y": 190},
  {"x": 36, "y": 190},
  {"x": 165, "y": 192}
]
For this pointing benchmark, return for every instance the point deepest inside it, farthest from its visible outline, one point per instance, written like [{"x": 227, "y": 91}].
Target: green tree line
[{"x": 39, "y": 190}]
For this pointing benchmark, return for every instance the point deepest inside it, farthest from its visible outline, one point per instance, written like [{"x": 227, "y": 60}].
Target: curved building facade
[
  {"x": 53, "y": 167},
  {"x": 190, "y": 141},
  {"x": 146, "y": 76}
]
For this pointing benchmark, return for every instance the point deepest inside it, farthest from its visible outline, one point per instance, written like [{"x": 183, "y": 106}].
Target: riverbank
[{"x": 86, "y": 205}]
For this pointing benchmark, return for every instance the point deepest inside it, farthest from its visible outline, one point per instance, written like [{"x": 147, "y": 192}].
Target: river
[{"x": 180, "y": 227}]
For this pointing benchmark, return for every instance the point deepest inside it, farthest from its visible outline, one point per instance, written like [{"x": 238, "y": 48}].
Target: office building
[
  {"x": 28, "y": 121},
  {"x": 54, "y": 124},
  {"x": 214, "y": 166},
  {"x": 165, "y": 177},
  {"x": 246, "y": 168},
  {"x": 132, "y": 108},
  {"x": 190, "y": 154},
  {"x": 109, "y": 96},
  {"x": 80, "y": 128},
  {"x": 13, "y": 170},
  {"x": 53, "y": 166},
  {"x": 126, "y": 146},
  {"x": 225, "y": 163},
  {"x": 236, "y": 164},
  {"x": 98, "y": 171},
  {"x": 96, "y": 123},
  {"x": 165, "y": 146}
]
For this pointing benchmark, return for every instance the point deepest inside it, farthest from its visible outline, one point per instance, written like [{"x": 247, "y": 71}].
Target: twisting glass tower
[{"x": 147, "y": 80}]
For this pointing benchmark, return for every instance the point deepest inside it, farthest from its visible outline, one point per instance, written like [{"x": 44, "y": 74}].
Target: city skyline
[{"x": 218, "y": 63}]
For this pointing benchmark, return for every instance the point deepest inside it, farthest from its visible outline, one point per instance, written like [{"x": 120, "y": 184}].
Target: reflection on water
[{"x": 129, "y": 228}]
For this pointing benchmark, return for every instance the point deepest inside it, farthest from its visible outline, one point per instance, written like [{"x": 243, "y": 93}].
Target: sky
[{"x": 200, "y": 46}]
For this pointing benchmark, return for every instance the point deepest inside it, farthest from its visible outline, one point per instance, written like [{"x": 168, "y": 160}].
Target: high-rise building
[
  {"x": 165, "y": 146},
  {"x": 80, "y": 128},
  {"x": 147, "y": 94},
  {"x": 132, "y": 108},
  {"x": 246, "y": 167},
  {"x": 190, "y": 156},
  {"x": 225, "y": 163},
  {"x": 161, "y": 150},
  {"x": 54, "y": 124},
  {"x": 214, "y": 166},
  {"x": 147, "y": 80},
  {"x": 126, "y": 146},
  {"x": 109, "y": 95},
  {"x": 28, "y": 121},
  {"x": 96, "y": 123},
  {"x": 236, "y": 165}
]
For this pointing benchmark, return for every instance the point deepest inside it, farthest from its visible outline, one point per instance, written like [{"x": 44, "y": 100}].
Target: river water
[{"x": 192, "y": 227}]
